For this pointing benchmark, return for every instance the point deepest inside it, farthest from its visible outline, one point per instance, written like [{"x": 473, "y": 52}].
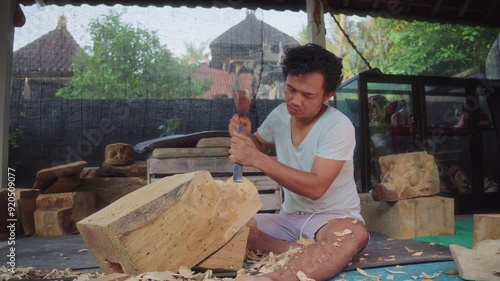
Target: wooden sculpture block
[
  {"x": 119, "y": 154},
  {"x": 177, "y": 221},
  {"x": 406, "y": 175},
  {"x": 486, "y": 226},
  {"x": 408, "y": 218}
]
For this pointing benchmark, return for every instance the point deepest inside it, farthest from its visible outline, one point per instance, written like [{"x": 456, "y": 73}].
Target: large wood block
[
  {"x": 82, "y": 203},
  {"x": 486, "y": 226},
  {"x": 231, "y": 256},
  {"x": 176, "y": 221},
  {"x": 54, "y": 222},
  {"x": 406, "y": 175},
  {"x": 408, "y": 218}
]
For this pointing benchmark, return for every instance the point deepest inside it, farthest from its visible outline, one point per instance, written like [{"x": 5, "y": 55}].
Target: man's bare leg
[
  {"x": 327, "y": 257},
  {"x": 260, "y": 241}
]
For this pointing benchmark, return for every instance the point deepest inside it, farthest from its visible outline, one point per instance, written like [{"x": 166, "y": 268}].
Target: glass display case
[{"x": 451, "y": 118}]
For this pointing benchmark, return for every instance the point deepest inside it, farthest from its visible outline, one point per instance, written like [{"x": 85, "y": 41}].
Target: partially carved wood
[
  {"x": 406, "y": 175},
  {"x": 176, "y": 221},
  {"x": 486, "y": 226},
  {"x": 231, "y": 256},
  {"x": 119, "y": 154},
  {"x": 480, "y": 263},
  {"x": 408, "y": 218}
]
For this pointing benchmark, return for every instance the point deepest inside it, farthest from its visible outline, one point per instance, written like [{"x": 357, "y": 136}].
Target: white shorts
[{"x": 292, "y": 227}]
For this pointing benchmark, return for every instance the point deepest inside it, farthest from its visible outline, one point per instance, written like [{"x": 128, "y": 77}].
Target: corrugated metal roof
[{"x": 477, "y": 12}]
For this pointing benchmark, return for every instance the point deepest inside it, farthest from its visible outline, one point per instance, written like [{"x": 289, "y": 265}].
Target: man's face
[{"x": 304, "y": 94}]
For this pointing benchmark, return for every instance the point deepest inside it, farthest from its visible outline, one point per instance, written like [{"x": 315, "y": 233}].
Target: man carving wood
[{"x": 314, "y": 145}]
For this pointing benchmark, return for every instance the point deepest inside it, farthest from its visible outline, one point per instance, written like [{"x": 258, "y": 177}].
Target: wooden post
[{"x": 6, "y": 41}]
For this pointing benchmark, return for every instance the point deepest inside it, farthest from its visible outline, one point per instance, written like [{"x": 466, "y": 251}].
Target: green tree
[
  {"x": 196, "y": 54},
  {"x": 437, "y": 49},
  {"x": 128, "y": 62}
]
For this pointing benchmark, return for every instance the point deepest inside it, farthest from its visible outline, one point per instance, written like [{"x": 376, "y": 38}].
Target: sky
[{"x": 175, "y": 26}]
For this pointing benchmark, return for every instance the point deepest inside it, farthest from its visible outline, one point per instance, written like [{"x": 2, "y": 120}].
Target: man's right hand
[{"x": 238, "y": 120}]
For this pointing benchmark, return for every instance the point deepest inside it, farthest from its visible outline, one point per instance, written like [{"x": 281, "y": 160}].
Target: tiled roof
[
  {"x": 223, "y": 81},
  {"x": 48, "y": 56}
]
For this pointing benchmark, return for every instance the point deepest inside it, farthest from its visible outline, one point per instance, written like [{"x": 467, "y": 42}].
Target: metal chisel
[{"x": 242, "y": 105}]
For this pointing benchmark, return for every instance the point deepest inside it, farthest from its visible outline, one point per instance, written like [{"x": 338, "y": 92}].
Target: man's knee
[
  {"x": 252, "y": 223},
  {"x": 347, "y": 230}
]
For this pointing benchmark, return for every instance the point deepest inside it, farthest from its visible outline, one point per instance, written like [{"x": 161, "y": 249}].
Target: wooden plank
[
  {"x": 231, "y": 256},
  {"x": 216, "y": 165},
  {"x": 49, "y": 176},
  {"x": 214, "y": 142},
  {"x": 185, "y": 213},
  {"x": 408, "y": 218},
  {"x": 180, "y": 152},
  {"x": 486, "y": 226}
]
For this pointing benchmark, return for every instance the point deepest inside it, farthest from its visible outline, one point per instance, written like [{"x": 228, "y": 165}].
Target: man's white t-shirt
[{"x": 332, "y": 137}]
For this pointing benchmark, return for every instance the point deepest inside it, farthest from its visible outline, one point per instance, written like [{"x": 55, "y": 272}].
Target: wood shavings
[
  {"x": 185, "y": 272},
  {"x": 409, "y": 250},
  {"x": 417, "y": 254},
  {"x": 272, "y": 262},
  {"x": 396, "y": 272},
  {"x": 305, "y": 241},
  {"x": 389, "y": 277},
  {"x": 364, "y": 273},
  {"x": 302, "y": 276},
  {"x": 366, "y": 254},
  {"x": 83, "y": 250},
  {"x": 427, "y": 276},
  {"x": 391, "y": 258},
  {"x": 343, "y": 233},
  {"x": 387, "y": 248},
  {"x": 32, "y": 273},
  {"x": 156, "y": 275},
  {"x": 336, "y": 244},
  {"x": 450, "y": 272},
  {"x": 354, "y": 221},
  {"x": 361, "y": 259},
  {"x": 390, "y": 239},
  {"x": 399, "y": 266}
]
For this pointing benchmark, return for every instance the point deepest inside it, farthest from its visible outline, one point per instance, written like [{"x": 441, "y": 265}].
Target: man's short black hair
[{"x": 314, "y": 58}]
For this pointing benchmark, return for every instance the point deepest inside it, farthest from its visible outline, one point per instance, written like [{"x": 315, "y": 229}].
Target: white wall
[{"x": 6, "y": 40}]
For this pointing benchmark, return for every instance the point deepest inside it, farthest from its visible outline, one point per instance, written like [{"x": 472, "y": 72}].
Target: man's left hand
[{"x": 243, "y": 150}]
